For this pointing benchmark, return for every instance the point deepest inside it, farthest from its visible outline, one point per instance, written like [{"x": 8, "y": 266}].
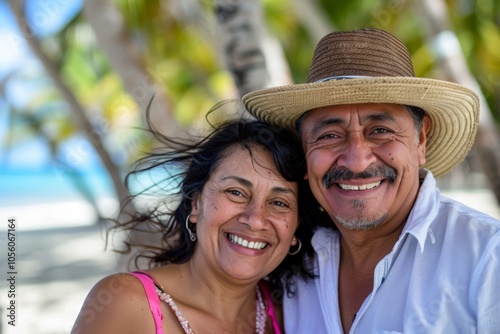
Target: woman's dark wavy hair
[{"x": 194, "y": 162}]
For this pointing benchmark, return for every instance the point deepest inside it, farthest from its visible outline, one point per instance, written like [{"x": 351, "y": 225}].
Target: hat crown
[{"x": 364, "y": 52}]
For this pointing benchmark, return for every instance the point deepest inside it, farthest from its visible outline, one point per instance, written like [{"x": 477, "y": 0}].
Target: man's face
[{"x": 363, "y": 162}]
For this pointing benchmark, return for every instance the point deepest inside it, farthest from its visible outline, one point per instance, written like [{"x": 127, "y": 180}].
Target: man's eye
[
  {"x": 327, "y": 136},
  {"x": 381, "y": 130}
]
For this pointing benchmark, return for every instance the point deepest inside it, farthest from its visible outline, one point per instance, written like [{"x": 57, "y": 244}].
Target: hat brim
[{"x": 453, "y": 109}]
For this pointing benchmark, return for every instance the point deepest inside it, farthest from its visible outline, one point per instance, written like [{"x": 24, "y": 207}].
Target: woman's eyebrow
[
  {"x": 249, "y": 184},
  {"x": 238, "y": 179},
  {"x": 283, "y": 190}
]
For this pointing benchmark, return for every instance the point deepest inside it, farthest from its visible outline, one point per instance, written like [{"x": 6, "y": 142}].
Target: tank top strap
[
  {"x": 270, "y": 307},
  {"x": 148, "y": 282}
]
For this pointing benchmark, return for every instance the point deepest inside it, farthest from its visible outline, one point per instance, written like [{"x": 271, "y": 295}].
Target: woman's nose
[{"x": 254, "y": 216}]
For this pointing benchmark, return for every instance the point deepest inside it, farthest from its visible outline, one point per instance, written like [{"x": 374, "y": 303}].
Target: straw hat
[{"x": 373, "y": 66}]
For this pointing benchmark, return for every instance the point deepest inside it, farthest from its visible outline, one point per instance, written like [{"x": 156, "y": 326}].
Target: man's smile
[{"x": 360, "y": 187}]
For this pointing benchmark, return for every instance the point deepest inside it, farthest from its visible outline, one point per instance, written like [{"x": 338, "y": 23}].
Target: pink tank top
[{"x": 148, "y": 282}]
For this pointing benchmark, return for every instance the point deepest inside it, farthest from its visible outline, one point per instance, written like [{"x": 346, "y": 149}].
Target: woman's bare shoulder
[{"x": 116, "y": 304}]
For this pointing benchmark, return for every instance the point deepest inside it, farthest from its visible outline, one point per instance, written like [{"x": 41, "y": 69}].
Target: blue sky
[{"x": 45, "y": 18}]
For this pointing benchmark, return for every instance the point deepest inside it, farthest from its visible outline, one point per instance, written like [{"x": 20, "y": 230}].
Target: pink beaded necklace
[{"x": 260, "y": 319}]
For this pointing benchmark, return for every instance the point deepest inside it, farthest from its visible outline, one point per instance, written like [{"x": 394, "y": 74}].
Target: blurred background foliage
[{"x": 177, "y": 42}]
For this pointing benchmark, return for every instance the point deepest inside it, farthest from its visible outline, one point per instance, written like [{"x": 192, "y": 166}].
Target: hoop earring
[
  {"x": 192, "y": 236},
  {"x": 298, "y": 248}
]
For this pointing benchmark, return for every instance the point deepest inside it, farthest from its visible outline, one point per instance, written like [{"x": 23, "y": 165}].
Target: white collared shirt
[{"x": 442, "y": 276}]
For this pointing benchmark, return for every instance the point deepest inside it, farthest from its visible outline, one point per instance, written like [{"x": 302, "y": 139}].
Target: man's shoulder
[
  {"x": 471, "y": 219},
  {"x": 465, "y": 229}
]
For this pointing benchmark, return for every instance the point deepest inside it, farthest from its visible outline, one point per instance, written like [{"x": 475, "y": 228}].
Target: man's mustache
[{"x": 344, "y": 174}]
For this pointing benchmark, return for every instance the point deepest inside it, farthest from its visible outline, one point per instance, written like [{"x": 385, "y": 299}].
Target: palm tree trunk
[
  {"x": 113, "y": 38},
  {"x": 452, "y": 61},
  {"x": 254, "y": 59},
  {"x": 313, "y": 18}
]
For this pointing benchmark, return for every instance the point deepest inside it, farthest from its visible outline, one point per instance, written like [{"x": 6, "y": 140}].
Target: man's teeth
[
  {"x": 362, "y": 187},
  {"x": 245, "y": 243}
]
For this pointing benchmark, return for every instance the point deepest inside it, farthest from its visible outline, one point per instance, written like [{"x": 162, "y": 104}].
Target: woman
[{"x": 236, "y": 220}]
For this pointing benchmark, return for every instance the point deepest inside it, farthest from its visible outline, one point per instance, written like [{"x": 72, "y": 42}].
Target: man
[{"x": 399, "y": 258}]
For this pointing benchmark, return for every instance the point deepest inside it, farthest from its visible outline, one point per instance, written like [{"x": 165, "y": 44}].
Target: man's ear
[{"x": 422, "y": 139}]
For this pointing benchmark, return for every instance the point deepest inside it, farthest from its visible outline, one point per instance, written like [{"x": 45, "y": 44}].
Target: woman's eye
[
  {"x": 281, "y": 204},
  {"x": 235, "y": 192}
]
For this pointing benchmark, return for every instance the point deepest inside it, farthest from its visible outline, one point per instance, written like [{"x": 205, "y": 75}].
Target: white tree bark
[
  {"x": 191, "y": 14},
  {"x": 255, "y": 59},
  {"x": 113, "y": 38},
  {"x": 447, "y": 48},
  {"x": 313, "y": 18}
]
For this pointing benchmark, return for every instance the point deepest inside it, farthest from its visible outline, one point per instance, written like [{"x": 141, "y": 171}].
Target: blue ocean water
[{"x": 29, "y": 186}]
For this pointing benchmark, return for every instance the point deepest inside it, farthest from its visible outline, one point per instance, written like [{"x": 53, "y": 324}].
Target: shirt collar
[{"x": 424, "y": 211}]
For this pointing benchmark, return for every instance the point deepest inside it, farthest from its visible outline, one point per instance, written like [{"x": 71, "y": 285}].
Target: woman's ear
[{"x": 195, "y": 209}]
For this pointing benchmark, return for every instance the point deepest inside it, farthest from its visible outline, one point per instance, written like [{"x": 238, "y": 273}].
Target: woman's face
[{"x": 245, "y": 217}]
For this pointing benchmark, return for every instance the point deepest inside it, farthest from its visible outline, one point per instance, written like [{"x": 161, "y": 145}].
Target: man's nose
[{"x": 357, "y": 153}]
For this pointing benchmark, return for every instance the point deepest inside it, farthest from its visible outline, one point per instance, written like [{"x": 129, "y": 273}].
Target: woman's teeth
[{"x": 245, "y": 243}]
